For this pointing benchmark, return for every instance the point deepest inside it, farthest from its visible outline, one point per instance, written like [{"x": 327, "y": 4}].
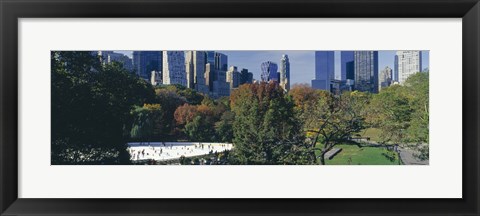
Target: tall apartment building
[
  {"x": 195, "y": 71},
  {"x": 285, "y": 72},
  {"x": 233, "y": 77},
  {"x": 409, "y": 62},
  {"x": 174, "y": 68},
  {"x": 395, "y": 69},
  {"x": 215, "y": 74},
  {"x": 385, "y": 78}
]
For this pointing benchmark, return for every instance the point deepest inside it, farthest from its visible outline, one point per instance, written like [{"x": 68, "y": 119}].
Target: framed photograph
[{"x": 239, "y": 107}]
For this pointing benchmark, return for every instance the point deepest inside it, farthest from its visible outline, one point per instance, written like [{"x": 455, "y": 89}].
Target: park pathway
[{"x": 406, "y": 155}]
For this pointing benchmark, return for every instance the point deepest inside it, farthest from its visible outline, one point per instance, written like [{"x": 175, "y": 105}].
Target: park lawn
[
  {"x": 354, "y": 155},
  {"x": 373, "y": 133}
]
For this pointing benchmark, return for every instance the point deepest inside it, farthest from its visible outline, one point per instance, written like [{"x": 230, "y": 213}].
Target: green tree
[
  {"x": 147, "y": 122},
  {"x": 224, "y": 127},
  {"x": 391, "y": 113},
  {"x": 418, "y": 90},
  {"x": 190, "y": 95},
  {"x": 335, "y": 119},
  {"x": 169, "y": 100},
  {"x": 265, "y": 128},
  {"x": 199, "y": 129},
  {"x": 91, "y": 106}
]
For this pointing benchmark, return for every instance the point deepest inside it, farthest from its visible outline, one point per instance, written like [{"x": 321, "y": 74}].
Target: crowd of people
[{"x": 161, "y": 151}]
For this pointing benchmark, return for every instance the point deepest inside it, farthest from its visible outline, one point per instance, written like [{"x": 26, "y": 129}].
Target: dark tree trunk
[
  {"x": 314, "y": 157},
  {"x": 313, "y": 148},
  {"x": 322, "y": 158}
]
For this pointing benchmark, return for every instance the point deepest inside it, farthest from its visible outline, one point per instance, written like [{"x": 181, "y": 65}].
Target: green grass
[
  {"x": 354, "y": 155},
  {"x": 373, "y": 133}
]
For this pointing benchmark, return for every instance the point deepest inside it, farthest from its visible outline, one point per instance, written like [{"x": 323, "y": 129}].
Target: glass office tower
[
  {"x": 324, "y": 70},
  {"x": 144, "y": 62},
  {"x": 346, "y": 67},
  {"x": 366, "y": 71},
  {"x": 269, "y": 71}
]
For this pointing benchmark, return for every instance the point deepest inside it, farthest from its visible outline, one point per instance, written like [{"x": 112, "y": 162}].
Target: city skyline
[{"x": 302, "y": 63}]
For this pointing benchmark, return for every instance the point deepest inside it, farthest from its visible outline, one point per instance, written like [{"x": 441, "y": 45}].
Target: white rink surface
[{"x": 161, "y": 151}]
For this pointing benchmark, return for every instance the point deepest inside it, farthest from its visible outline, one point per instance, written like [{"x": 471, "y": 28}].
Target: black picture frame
[{"x": 12, "y": 10}]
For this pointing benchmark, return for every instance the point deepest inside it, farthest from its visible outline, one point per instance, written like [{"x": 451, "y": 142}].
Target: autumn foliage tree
[
  {"x": 265, "y": 128},
  {"x": 185, "y": 113},
  {"x": 199, "y": 122},
  {"x": 306, "y": 100},
  {"x": 170, "y": 100}
]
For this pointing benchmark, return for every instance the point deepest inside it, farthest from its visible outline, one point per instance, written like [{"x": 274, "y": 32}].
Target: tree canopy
[
  {"x": 91, "y": 105},
  {"x": 266, "y": 130}
]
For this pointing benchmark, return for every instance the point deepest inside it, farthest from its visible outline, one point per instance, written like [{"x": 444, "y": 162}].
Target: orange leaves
[
  {"x": 185, "y": 113},
  {"x": 260, "y": 92}
]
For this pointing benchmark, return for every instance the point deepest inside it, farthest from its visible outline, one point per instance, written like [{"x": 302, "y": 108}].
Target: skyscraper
[
  {"x": 409, "y": 62},
  {"x": 245, "y": 76},
  {"x": 233, "y": 77},
  {"x": 215, "y": 74},
  {"x": 221, "y": 61},
  {"x": 350, "y": 66},
  {"x": 174, "y": 68},
  {"x": 145, "y": 62},
  {"x": 220, "y": 86},
  {"x": 269, "y": 71},
  {"x": 385, "y": 78},
  {"x": 195, "y": 70},
  {"x": 324, "y": 70},
  {"x": 209, "y": 71},
  {"x": 346, "y": 65},
  {"x": 250, "y": 77},
  {"x": 366, "y": 71},
  {"x": 395, "y": 69},
  {"x": 285, "y": 72},
  {"x": 210, "y": 57},
  {"x": 189, "y": 71}
]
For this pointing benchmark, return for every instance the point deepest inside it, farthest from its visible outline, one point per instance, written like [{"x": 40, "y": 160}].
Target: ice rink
[{"x": 161, "y": 151}]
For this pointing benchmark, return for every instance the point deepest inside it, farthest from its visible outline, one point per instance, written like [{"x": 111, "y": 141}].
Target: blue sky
[{"x": 302, "y": 63}]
